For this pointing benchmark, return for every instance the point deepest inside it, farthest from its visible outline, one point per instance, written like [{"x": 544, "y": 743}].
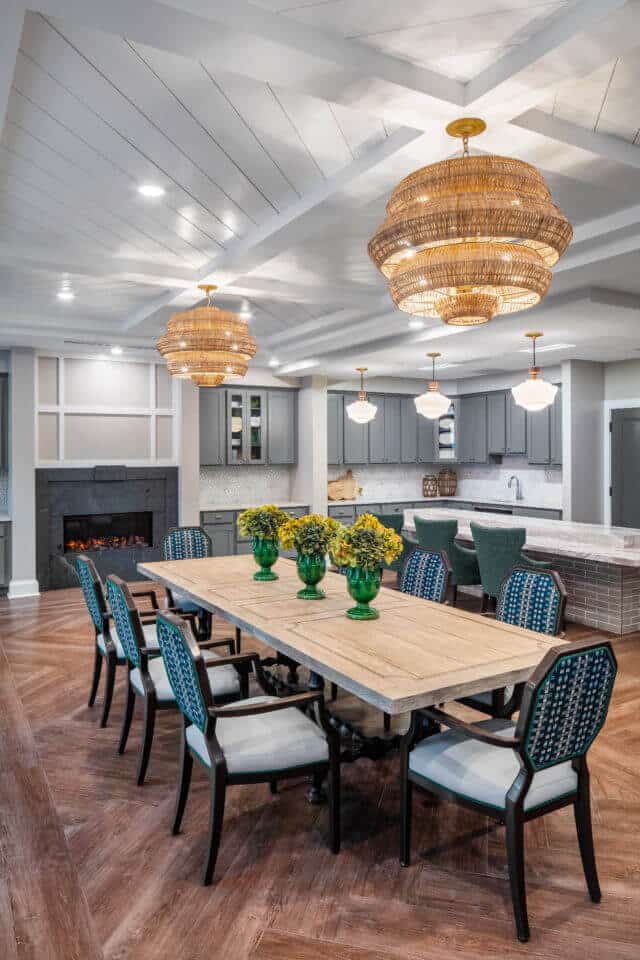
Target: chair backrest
[
  {"x": 532, "y": 599},
  {"x": 426, "y": 575},
  {"x": 92, "y": 590},
  {"x": 499, "y": 549},
  {"x": 436, "y": 534},
  {"x": 126, "y": 618},
  {"x": 186, "y": 543},
  {"x": 393, "y": 520},
  {"x": 185, "y": 668},
  {"x": 565, "y": 703}
]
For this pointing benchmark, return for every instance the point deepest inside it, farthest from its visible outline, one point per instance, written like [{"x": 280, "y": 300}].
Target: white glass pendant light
[
  {"x": 535, "y": 393},
  {"x": 432, "y": 404},
  {"x": 361, "y": 411}
]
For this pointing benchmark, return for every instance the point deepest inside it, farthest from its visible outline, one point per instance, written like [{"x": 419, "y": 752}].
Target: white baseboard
[{"x": 23, "y": 588}]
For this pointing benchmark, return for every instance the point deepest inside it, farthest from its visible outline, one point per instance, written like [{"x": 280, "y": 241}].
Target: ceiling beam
[
  {"x": 573, "y": 135},
  {"x": 10, "y": 34}
]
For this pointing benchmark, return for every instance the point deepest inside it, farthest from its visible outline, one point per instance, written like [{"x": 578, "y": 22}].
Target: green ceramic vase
[
  {"x": 363, "y": 586},
  {"x": 265, "y": 553},
  {"x": 311, "y": 569}
]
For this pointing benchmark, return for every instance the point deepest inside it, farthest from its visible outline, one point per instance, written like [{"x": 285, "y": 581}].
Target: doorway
[{"x": 625, "y": 467}]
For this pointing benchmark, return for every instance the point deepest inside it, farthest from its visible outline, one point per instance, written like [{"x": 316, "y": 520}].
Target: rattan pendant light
[
  {"x": 470, "y": 237},
  {"x": 207, "y": 344}
]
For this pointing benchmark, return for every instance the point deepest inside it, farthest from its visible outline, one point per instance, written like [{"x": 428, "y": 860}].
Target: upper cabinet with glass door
[{"x": 246, "y": 418}]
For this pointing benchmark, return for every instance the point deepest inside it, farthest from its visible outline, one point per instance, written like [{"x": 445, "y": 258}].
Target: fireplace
[
  {"x": 116, "y": 515},
  {"x": 108, "y": 531}
]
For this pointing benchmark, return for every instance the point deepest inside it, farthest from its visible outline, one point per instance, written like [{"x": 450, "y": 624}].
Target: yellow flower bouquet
[
  {"x": 362, "y": 549},
  {"x": 263, "y": 524},
  {"x": 311, "y": 537}
]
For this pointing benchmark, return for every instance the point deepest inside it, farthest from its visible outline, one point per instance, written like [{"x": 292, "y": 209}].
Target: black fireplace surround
[{"x": 116, "y": 515}]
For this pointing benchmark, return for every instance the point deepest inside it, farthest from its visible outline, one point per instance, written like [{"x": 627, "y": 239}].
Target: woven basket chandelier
[
  {"x": 469, "y": 238},
  {"x": 207, "y": 344}
]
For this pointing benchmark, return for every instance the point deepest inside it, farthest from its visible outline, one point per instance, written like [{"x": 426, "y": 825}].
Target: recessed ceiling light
[
  {"x": 66, "y": 295},
  {"x": 416, "y": 324},
  {"x": 245, "y": 315},
  {"x": 151, "y": 190},
  {"x": 116, "y": 350},
  {"x": 550, "y": 346},
  {"x": 273, "y": 362}
]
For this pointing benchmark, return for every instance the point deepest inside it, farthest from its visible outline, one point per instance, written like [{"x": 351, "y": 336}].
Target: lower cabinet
[
  {"x": 223, "y": 539},
  {"x": 222, "y": 527},
  {"x": 5, "y": 556}
]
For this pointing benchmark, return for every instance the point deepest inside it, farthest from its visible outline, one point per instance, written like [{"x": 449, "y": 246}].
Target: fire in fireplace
[{"x": 108, "y": 531}]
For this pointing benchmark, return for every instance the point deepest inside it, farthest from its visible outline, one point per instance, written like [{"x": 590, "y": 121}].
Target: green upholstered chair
[
  {"x": 147, "y": 675},
  {"x": 518, "y": 773},
  {"x": 259, "y": 740},
  {"x": 534, "y": 600},
  {"x": 396, "y": 522},
  {"x": 441, "y": 535},
  {"x": 499, "y": 550}
]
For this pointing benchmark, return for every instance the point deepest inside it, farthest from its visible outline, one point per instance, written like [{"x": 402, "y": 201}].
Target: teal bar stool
[
  {"x": 499, "y": 550},
  {"x": 440, "y": 535}
]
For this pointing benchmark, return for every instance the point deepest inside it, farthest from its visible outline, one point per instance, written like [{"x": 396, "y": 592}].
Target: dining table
[{"x": 416, "y": 654}]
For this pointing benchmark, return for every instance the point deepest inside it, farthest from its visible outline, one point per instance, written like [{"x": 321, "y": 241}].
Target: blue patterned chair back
[
  {"x": 126, "y": 619},
  {"x": 531, "y": 599},
  {"x": 426, "y": 574},
  {"x": 566, "y": 703},
  {"x": 92, "y": 590},
  {"x": 186, "y": 543},
  {"x": 180, "y": 662}
]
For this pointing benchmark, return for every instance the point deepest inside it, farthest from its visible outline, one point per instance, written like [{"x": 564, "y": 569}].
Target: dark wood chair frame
[
  {"x": 515, "y": 816},
  {"x": 219, "y": 776},
  {"x": 501, "y": 705},
  {"x": 151, "y": 702},
  {"x": 205, "y": 617}
]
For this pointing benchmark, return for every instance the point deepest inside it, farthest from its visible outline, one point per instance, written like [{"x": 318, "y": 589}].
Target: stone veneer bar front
[{"x": 599, "y": 565}]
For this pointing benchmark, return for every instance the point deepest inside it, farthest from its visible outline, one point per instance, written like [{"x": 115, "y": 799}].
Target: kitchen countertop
[
  {"x": 219, "y": 507},
  {"x": 488, "y": 500},
  {"x": 605, "y": 544}
]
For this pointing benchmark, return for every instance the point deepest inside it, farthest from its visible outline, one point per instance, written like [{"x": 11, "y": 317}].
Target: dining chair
[
  {"x": 534, "y": 600},
  {"x": 191, "y": 543},
  {"x": 395, "y": 521},
  {"x": 259, "y": 740},
  {"x": 108, "y": 646},
  {"x": 499, "y": 549},
  {"x": 147, "y": 674},
  {"x": 427, "y": 574},
  {"x": 441, "y": 535},
  {"x": 514, "y": 774}
]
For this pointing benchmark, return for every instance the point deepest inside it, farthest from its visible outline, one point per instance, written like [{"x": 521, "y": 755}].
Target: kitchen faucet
[{"x": 518, "y": 486}]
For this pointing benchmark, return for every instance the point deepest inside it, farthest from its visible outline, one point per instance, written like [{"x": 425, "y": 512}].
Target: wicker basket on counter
[
  {"x": 447, "y": 483},
  {"x": 430, "y": 485}
]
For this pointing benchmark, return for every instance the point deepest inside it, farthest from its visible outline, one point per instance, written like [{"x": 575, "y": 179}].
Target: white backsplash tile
[
  {"x": 248, "y": 486},
  {"x": 386, "y": 481}
]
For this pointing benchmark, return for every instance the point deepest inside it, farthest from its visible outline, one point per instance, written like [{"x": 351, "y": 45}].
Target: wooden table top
[{"x": 416, "y": 654}]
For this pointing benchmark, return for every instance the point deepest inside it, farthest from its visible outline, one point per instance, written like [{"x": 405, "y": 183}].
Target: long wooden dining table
[{"x": 415, "y": 655}]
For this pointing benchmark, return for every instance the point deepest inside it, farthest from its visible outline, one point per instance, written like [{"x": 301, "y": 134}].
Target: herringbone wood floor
[{"x": 88, "y": 868}]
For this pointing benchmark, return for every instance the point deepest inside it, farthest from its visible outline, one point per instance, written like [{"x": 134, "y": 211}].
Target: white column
[
  {"x": 22, "y": 473},
  {"x": 189, "y": 460},
  {"x": 582, "y": 427},
  {"x": 309, "y": 483}
]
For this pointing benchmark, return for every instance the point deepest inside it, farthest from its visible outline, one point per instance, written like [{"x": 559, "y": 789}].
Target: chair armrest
[
  {"x": 470, "y": 729},
  {"x": 151, "y": 594},
  {"x": 236, "y": 659},
  {"x": 207, "y": 644},
  {"x": 537, "y": 564},
  {"x": 282, "y": 703},
  {"x": 466, "y": 551}
]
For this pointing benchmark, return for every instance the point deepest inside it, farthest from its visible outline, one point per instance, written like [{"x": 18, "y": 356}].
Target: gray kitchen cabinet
[
  {"x": 4, "y": 423},
  {"x": 539, "y": 436},
  {"x": 369, "y": 508},
  {"x": 5, "y": 556},
  {"x": 213, "y": 421},
  {"x": 281, "y": 426},
  {"x": 497, "y": 423},
  {"x": 471, "y": 421},
  {"x": 345, "y": 514},
  {"x": 408, "y": 430},
  {"x": 355, "y": 436},
  {"x": 246, "y": 426},
  {"x": 541, "y": 513},
  {"x": 377, "y": 448},
  {"x": 556, "y": 430},
  {"x": 427, "y": 440},
  {"x": 335, "y": 428},
  {"x": 516, "y": 427},
  {"x": 223, "y": 539}
]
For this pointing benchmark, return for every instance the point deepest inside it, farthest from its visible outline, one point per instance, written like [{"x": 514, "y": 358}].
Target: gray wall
[
  {"x": 22, "y": 448},
  {"x": 583, "y": 425}
]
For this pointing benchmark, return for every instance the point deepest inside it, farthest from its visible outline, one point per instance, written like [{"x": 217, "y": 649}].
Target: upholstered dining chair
[
  {"x": 107, "y": 642},
  {"x": 441, "y": 535},
  {"x": 259, "y": 740},
  {"x": 396, "y": 522},
  {"x": 514, "y": 774},
  {"x": 191, "y": 543},
  {"x": 535, "y": 600},
  {"x": 499, "y": 549},
  {"x": 147, "y": 675},
  {"x": 427, "y": 574}
]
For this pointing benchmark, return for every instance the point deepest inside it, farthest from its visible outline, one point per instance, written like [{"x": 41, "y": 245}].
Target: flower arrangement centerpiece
[
  {"x": 311, "y": 537},
  {"x": 361, "y": 550},
  {"x": 262, "y": 524}
]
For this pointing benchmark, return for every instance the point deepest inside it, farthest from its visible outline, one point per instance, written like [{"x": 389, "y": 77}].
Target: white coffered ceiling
[{"x": 277, "y": 130}]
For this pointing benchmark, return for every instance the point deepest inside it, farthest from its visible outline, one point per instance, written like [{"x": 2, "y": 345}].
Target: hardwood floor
[{"x": 88, "y": 868}]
